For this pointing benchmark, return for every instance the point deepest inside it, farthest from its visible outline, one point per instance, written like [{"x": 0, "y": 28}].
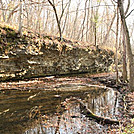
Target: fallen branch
[{"x": 89, "y": 113}]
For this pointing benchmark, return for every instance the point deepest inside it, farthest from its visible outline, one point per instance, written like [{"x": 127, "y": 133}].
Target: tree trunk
[
  {"x": 129, "y": 50},
  {"x": 81, "y": 31},
  {"x": 75, "y": 20},
  {"x": 116, "y": 58},
  {"x": 20, "y": 19},
  {"x": 88, "y": 15},
  {"x": 124, "y": 60},
  {"x": 95, "y": 34},
  {"x": 91, "y": 24},
  {"x": 3, "y": 12},
  {"x": 64, "y": 25},
  {"x": 106, "y": 36},
  {"x": 57, "y": 19},
  {"x": 12, "y": 12}
]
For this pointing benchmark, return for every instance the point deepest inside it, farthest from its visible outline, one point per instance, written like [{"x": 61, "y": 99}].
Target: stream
[{"x": 29, "y": 108}]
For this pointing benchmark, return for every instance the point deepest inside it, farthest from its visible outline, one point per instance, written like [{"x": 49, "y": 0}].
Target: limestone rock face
[
  {"x": 32, "y": 56},
  {"x": 26, "y": 64}
]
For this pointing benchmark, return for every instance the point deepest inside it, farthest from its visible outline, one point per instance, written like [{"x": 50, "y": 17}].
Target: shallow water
[{"x": 40, "y": 111}]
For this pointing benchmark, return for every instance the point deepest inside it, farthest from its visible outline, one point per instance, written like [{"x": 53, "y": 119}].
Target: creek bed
[{"x": 39, "y": 110}]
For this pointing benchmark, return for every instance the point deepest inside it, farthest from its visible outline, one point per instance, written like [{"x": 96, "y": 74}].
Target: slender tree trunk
[
  {"x": 88, "y": 14},
  {"x": 95, "y": 34},
  {"x": 38, "y": 24},
  {"x": 66, "y": 17},
  {"x": 95, "y": 23},
  {"x": 20, "y": 19},
  {"x": 12, "y": 12},
  {"x": 106, "y": 36},
  {"x": 3, "y": 12},
  {"x": 53, "y": 25},
  {"x": 91, "y": 25},
  {"x": 124, "y": 60},
  {"x": 57, "y": 19},
  {"x": 46, "y": 23},
  {"x": 27, "y": 14},
  {"x": 75, "y": 20},
  {"x": 116, "y": 58},
  {"x": 83, "y": 26}
]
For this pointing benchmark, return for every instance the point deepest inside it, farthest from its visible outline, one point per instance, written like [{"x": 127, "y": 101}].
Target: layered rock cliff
[{"x": 34, "y": 55}]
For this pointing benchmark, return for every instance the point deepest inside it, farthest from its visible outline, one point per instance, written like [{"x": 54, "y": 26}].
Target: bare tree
[
  {"x": 87, "y": 27},
  {"x": 14, "y": 10},
  {"x": 116, "y": 46},
  {"x": 124, "y": 71},
  {"x": 3, "y": 12},
  {"x": 56, "y": 15},
  {"x": 107, "y": 34},
  {"x": 129, "y": 50},
  {"x": 20, "y": 19},
  {"x": 124, "y": 74},
  {"x": 65, "y": 21},
  {"x": 46, "y": 22},
  {"x": 96, "y": 17},
  {"x": 82, "y": 25},
  {"x": 75, "y": 20}
]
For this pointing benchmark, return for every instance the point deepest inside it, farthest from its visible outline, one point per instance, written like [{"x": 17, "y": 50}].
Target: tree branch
[
  {"x": 127, "y": 7},
  {"x": 129, "y": 13}
]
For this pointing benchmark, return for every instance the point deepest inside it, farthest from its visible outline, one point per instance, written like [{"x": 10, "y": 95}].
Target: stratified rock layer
[{"x": 33, "y": 56}]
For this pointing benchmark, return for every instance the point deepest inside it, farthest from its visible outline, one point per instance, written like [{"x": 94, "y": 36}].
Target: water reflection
[
  {"x": 67, "y": 124},
  {"x": 38, "y": 111},
  {"x": 104, "y": 104}
]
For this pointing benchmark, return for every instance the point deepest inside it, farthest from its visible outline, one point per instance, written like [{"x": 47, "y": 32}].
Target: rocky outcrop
[{"x": 33, "y": 56}]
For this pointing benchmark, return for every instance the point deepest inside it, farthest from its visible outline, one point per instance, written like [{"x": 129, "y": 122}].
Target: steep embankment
[{"x": 33, "y": 55}]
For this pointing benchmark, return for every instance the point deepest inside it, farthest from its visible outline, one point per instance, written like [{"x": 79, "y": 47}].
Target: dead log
[{"x": 86, "y": 111}]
